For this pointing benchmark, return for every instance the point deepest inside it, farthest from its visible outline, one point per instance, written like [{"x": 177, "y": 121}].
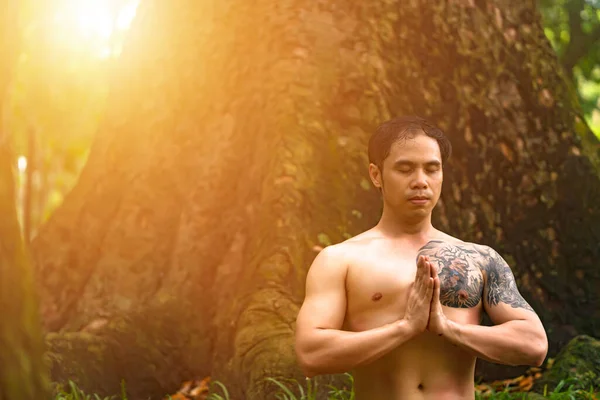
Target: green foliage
[
  {"x": 73, "y": 392},
  {"x": 291, "y": 389},
  {"x": 558, "y": 26},
  {"x": 215, "y": 396},
  {"x": 311, "y": 390},
  {"x": 561, "y": 392}
]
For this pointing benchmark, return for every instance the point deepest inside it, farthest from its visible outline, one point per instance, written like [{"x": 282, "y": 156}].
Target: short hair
[{"x": 399, "y": 128}]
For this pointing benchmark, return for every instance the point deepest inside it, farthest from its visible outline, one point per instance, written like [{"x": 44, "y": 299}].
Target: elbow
[
  {"x": 539, "y": 351},
  {"x": 306, "y": 362},
  {"x": 307, "y": 365}
]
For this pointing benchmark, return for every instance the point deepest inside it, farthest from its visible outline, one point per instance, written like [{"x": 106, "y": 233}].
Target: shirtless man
[{"x": 400, "y": 305}]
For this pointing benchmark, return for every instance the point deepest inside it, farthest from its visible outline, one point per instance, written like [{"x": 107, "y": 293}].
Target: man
[{"x": 411, "y": 330}]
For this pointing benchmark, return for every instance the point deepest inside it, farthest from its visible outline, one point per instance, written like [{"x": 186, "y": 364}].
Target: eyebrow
[{"x": 433, "y": 163}]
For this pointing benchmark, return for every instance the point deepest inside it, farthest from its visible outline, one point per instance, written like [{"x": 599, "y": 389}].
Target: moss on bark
[
  {"x": 578, "y": 364},
  {"x": 151, "y": 350}
]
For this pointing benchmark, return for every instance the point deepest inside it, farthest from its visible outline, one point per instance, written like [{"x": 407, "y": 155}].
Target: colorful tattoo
[
  {"x": 461, "y": 269},
  {"x": 461, "y": 282}
]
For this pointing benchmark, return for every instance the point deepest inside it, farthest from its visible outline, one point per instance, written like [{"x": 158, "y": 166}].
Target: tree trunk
[
  {"x": 234, "y": 148},
  {"x": 23, "y": 373}
]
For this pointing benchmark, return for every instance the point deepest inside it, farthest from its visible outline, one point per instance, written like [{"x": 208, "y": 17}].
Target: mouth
[{"x": 419, "y": 199}]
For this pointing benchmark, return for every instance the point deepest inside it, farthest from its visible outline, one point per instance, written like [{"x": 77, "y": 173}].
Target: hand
[
  {"x": 438, "y": 322},
  {"x": 418, "y": 305}
]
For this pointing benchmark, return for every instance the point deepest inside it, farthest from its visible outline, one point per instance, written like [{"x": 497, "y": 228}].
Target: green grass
[
  {"x": 72, "y": 392},
  {"x": 561, "y": 392},
  {"x": 290, "y": 389},
  {"x": 310, "y": 392}
]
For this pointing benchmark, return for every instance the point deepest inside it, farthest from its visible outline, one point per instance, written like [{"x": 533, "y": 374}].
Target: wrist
[
  {"x": 452, "y": 331},
  {"x": 407, "y": 329}
]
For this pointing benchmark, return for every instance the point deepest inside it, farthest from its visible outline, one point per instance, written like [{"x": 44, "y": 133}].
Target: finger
[
  {"x": 429, "y": 288},
  {"x": 424, "y": 277},
  {"x": 429, "y": 270},
  {"x": 435, "y": 298},
  {"x": 421, "y": 269},
  {"x": 420, "y": 263},
  {"x": 433, "y": 271},
  {"x": 425, "y": 270},
  {"x": 417, "y": 282}
]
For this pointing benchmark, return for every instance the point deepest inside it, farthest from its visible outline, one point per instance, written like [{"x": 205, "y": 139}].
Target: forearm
[
  {"x": 330, "y": 351},
  {"x": 517, "y": 342}
]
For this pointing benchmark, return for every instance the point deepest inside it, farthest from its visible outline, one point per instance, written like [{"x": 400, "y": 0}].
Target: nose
[{"x": 419, "y": 181}]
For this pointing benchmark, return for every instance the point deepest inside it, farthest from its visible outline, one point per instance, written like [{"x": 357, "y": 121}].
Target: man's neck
[{"x": 397, "y": 226}]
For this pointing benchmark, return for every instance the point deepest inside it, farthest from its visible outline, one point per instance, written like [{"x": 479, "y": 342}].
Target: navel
[
  {"x": 377, "y": 296},
  {"x": 420, "y": 386}
]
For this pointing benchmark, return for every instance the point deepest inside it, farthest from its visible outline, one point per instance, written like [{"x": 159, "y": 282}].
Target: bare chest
[{"x": 377, "y": 292}]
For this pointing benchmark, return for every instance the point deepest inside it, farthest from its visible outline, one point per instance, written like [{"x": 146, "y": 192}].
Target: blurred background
[{"x": 69, "y": 47}]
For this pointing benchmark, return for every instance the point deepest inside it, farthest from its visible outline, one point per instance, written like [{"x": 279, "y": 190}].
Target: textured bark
[
  {"x": 234, "y": 148},
  {"x": 22, "y": 370}
]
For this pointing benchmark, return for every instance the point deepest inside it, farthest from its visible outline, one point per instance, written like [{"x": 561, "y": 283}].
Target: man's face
[{"x": 412, "y": 175}]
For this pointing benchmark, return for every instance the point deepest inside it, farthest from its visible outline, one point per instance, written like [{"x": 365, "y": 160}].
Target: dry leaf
[{"x": 177, "y": 396}]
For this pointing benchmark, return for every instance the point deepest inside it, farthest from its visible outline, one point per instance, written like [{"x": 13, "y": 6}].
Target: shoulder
[
  {"x": 331, "y": 264},
  {"x": 492, "y": 263},
  {"x": 441, "y": 239},
  {"x": 486, "y": 252},
  {"x": 348, "y": 250},
  {"x": 330, "y": 256},
  {"x": 444, "y": 243},
  {"x": 491, "y": 256},
  {"x": 482, "y": 255}
]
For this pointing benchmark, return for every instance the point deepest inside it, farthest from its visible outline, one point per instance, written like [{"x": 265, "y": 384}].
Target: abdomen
[{"x": 426, "y": 367}]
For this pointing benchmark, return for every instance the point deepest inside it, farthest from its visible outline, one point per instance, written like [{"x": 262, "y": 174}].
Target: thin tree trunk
[
  {"x": 23, "y": 374},
  {"x": 234, "y": 148},
  {"x": 580, "y": 43}
]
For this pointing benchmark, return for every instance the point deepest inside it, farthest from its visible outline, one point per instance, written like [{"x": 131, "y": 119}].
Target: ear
[{"x": 375, "y": 175}]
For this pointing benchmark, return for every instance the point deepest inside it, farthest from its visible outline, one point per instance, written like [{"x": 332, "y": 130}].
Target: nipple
[{"x": 377, "y": 296}]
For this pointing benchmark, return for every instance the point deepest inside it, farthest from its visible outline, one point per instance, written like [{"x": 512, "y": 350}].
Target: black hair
[{"x": 400, "y": 128}]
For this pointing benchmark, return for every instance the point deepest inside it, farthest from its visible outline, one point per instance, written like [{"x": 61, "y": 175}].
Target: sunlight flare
[{"x": 92, "y": 24}]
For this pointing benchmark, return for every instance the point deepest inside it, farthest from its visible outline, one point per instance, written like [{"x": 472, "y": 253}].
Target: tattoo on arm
[{"x": 501, "y": 286}]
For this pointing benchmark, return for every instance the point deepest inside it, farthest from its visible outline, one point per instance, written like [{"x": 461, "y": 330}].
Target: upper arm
[
  {"x": 325, "y": 299},
  {"x": 501, "y": 297}
]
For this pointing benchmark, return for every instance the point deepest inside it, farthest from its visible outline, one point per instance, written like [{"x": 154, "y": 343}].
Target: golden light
[
  {"x": 91, "y": 24},
  {"x": 22, "y": 163}
]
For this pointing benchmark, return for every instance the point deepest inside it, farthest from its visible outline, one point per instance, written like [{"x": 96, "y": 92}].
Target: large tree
[
  {"x": 23, "y": 373},
  {"x": 234, "y": 149}
]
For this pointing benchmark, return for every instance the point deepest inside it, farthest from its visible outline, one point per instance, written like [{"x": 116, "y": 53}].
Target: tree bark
[
  {"x": 234, "y": 148},
  {"x": 23, "y": 373}
]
